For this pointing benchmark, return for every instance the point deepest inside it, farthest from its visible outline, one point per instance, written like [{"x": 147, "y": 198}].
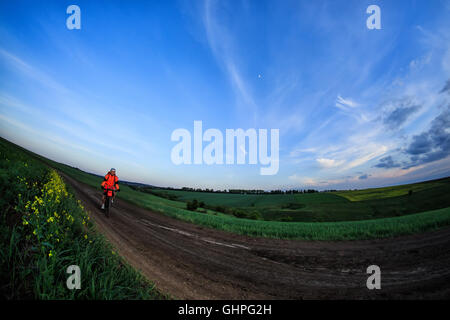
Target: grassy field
[
  {"x": 310, "y": 207},
  {"x": 425, "y": 209},
  {"x": 395, "y": 191},
  {"x": 331, "y": 207},
  {"x": 44, "y": 229},
  {"x": 255, "y": 200}
]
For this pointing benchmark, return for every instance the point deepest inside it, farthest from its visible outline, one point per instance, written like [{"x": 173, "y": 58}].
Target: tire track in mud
[{"x": 192, "y": 262}]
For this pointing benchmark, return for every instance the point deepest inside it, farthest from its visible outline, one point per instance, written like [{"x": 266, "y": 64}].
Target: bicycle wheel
[{"x": 107, "y": 207}]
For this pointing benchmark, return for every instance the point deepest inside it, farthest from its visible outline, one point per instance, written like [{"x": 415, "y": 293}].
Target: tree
[{"x": 192, "y": 205}]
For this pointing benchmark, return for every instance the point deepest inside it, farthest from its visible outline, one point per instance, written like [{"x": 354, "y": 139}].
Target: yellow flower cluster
[
  {"x": 47, "y": 215},
  {"x": 22, "y": 180}
]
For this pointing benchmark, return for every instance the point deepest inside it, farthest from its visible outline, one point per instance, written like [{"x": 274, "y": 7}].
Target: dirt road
[{"x": 191, "y": 262}]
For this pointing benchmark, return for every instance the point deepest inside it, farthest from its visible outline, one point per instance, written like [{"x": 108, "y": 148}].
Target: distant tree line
[
  {"x": 163, "y": 193},
  {"x": 247, "y": 191}
]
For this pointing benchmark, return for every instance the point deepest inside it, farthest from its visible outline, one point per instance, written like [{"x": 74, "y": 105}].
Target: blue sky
[{"x": 355, "y": 107}]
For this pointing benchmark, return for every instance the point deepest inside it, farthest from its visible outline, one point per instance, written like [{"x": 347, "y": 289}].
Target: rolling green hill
[
  {"x": 315, "y": 216},
  {"x": 395, "y": 191},
  {"x": 327, "y": 206}
]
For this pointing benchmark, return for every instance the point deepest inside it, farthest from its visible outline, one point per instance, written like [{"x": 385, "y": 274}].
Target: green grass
[
  {"x": 331, "y": 207},
  {"x": 44, "y": 229},
  {"x": 349, "y": 230},
  {"x": 254, "y": 200},
  {"x": 366, "y": 219},
  {"x": 389, "y": 192},
  {"x": 312, "y": 207}
]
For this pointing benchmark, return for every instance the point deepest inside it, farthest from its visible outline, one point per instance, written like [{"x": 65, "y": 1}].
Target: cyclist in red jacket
[{"x": 110, "y": 182}]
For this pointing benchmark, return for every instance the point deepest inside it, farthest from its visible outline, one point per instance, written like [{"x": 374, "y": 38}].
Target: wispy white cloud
[
  {"x": 348, "y": 156},
  {"x": 69, "y": 116},
  {"x": 89, "y": 137},
  {"x": 350, "y": 108},
  {"x": 318, "y": 183},
  {"x": 371, "y": 152},
  {"x": 343, "y": 103},
  {"x": 28, "y": 70},
  {"x": 329, "y": 163},
  {"x": 420, "y": 62},
  {"x": 46, "y": 138},
  {"x": 222, "y": 45}
]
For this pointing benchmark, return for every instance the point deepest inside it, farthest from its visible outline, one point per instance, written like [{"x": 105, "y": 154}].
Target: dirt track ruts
[{"x": 192, "y": 262}]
